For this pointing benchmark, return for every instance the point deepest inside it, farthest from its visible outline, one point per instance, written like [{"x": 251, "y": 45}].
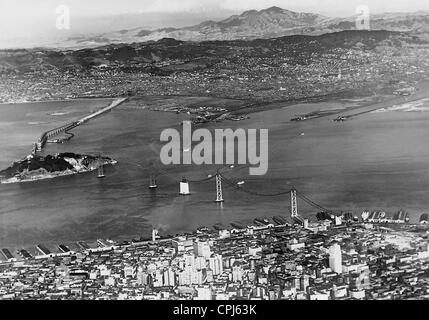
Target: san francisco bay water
[{"x": 375, "y": 161}]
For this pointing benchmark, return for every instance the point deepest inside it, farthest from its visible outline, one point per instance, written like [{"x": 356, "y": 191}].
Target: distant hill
[
  {"x": 188, "y": 55},
  {"x": 268, "y": 23},
  {"x": 416, "y": 22}
]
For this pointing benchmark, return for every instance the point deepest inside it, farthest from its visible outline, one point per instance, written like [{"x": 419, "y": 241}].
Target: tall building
[
  {"x": 159, "y": 279},
  {"x": 200, "y": 263},
  {"x": 335, "y": 259},
  {"x": 304, "y": 282},
  {"x": 185, "y": 277},
  {"x": 129, "y": 271},
  {"x": 209, "y": 276},
  {"x": 169, "y": 278},
  {"x": 215, "y": 264},
  {"x": 202, "y": 249},
  {"x": 237, "y": 273},
  {"x": 197, "y": 277},
  {"x": 140, "y": 276},
  {"x": 189, "y": 260}
]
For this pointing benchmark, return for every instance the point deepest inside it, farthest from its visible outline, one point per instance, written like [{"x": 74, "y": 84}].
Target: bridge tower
[
  {"x": 100, "y": 168},
  {"x": 100, "y": 172},
  {"x": 152, "y": 184},
  {"x": 293, "y": 204},
  {"x": 219, "y": 195}
]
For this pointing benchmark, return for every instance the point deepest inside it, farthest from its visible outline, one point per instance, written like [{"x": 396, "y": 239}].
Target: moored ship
[
  {"x": 279, "y": 220},
  {"x": 261, "y": 221},
  {"x": 237, "y": 225}
]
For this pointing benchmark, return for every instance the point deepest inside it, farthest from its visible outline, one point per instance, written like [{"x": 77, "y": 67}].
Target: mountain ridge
[
  {"x": 271, "y": 22},
  {"x": 203, "y": 54}
]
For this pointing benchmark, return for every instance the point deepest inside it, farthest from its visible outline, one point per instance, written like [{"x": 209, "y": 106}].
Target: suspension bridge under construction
[{"x": 219, "y": 179}]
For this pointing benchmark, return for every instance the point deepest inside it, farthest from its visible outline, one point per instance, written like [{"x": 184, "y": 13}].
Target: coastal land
[{"x": 36, "y": 167}]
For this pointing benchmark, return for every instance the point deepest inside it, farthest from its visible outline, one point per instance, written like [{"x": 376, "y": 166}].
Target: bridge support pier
[
  {"x": 293, "y": 204},
  {"x": 219, "y": 194}
]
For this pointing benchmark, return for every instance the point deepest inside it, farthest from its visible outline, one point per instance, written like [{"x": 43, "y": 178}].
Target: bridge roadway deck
[{"x": 51, "y": 133}]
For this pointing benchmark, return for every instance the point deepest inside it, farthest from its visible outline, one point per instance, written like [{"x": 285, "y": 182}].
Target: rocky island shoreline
[{"x": 37, "y": 167}]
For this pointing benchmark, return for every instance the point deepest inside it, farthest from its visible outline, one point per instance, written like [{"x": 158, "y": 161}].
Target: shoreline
[
  {"x": 58, "y": 100},
  {"x": 256, "y": 107},
  {"x": 422, "y": 92},
  {"x": 51, "y": 175},
  {"x": 38, "y": 146},
  {"x": 78, "y": 168},
  {"x": 137, "y": 240}
]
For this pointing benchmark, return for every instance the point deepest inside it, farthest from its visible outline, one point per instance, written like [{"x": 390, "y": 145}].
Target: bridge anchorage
[{"x": 184, "y": 187}]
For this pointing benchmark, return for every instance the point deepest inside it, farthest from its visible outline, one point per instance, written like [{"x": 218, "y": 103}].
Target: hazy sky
[
  {"x": 32, "y": 9},
  {"x": 36, "y": 18}
]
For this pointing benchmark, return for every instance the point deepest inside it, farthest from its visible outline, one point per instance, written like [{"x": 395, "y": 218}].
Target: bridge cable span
[
  {"x": 211, "y": 177},
  {"x": 299, "y": 194},
  {"x": 232, "y": 183},
  {"x": 314, "y": 204}
]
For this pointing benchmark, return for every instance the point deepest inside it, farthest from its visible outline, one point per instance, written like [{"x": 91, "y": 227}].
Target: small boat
[
  {"x": 340, "y": 119},
  {"x": 240, "y": 183},
  {"x": 299, "y": 118}
]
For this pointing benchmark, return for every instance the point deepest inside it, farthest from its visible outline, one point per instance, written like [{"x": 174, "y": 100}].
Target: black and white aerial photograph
[{"x": 227, "y": 150}]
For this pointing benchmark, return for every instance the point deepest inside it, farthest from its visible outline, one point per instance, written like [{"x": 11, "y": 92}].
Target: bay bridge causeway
[{"x": 46, "y": 136}]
